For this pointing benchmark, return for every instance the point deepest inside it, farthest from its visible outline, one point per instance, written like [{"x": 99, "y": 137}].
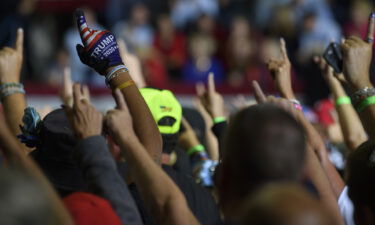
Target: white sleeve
[{"x": 346, "y": 207}]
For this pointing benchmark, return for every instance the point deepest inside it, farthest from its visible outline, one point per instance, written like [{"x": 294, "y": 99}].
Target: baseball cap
[
  {"x": 165, "y": 109},
  {"x": 89, "y": 209}
]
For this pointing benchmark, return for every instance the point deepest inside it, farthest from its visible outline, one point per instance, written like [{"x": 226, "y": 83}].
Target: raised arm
[
  {"x": 100, "y": 51},
  {"x": 212, "y": 143},
  {"x": 357, "y": 56},
  {"x": 351, "y": 126},
  {"x": 161, "y": 195},
  {"x": 315, "y": 141},
  {"x": 214, "y": 105},
  {"x": 317, "y": 144},
  {"x": 280, "y": 70},
  {"x": 16, "y": 159},
  {"x": 11, "y": 90},
  {"x": 94, "y": 158},
  {"x": 316, "y": 174}
]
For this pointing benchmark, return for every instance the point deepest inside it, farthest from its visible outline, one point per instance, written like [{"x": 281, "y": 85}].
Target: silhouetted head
[
  {"x": 360, "y": 174},
  {"x": 54, "y": 154},
  {"x": 167, "y": 113},
  {"x": 283, "y": 204},
  {"x": 263, "y": 144},
  {"x": 22, "y": 200}
]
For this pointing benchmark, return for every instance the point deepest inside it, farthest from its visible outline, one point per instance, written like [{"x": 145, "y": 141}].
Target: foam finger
[{"x": 81, "y": 23}]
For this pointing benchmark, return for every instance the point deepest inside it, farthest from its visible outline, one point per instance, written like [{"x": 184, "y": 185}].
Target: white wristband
[{"x": 113, "y": 73}]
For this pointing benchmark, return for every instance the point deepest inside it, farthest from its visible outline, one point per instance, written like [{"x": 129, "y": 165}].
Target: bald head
[{"x": 283, "y": 204}]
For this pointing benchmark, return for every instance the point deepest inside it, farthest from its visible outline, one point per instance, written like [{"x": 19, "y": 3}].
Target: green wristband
[
  {"x": 195, "y": 149},
  {"x": 366, "y": 102},
  {"x": 344, "y": 100},
  {"x": 219, "y": 119}
]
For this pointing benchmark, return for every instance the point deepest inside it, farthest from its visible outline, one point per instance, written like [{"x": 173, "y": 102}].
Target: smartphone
[{"x": 333, "y": 56}]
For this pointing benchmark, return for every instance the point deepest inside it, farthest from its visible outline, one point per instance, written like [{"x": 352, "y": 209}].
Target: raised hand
[
  {"x": 260, "y": 97},
  {"x": 66, "y": 93},
  {"x": 85, "y": 120},
  {"x": 211, "y": 100},
  {"x": 357, "y": 55},
  {"x": 327, "y": 71},
  {"x": 284, "y": 104},
  {"x": 100, "y": 50},
  {"x": 11, "y": 61},
  {"x": 116, "y": 119},
  {"x": 133, "y": 64},
  {"x": 280, "y": 70},
  {"x": 188, "y": 138}
]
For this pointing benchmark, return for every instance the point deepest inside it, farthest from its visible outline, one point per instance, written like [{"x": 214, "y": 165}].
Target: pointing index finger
[
  {"x": 211, "y": 83},
  {"x": 371, "y": 28},
  {"x": 19, "y": 40},
  {"x": 83, "y": 28},
  {"x": 258, "y": 93},
  {"x": 77, "y": 94},
  {"x": 283, "y": 49}
]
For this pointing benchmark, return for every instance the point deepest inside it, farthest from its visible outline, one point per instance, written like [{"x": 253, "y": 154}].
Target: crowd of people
[
  {"x": 185, "y": 40},
  {"x": 151, "y": 160}
]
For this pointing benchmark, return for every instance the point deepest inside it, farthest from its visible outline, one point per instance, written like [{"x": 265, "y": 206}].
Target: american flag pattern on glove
[{"x": 100, "y": 50}]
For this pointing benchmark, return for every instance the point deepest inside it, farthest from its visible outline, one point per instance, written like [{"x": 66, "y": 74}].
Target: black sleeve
[
  {"x": 101, "y": 174},
  {"x": 218, "y": 129}
]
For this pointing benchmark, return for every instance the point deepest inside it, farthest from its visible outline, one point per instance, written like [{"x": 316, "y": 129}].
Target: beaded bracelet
[
  {"x": 358, "y": 96},
  {"x": 7, "y": 89},
  {"x": 115, "y": 72},
  {"x": 10, "y": 85}
]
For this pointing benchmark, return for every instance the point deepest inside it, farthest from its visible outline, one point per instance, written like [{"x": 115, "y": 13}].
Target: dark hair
[
  {"x": 360, "y": 175},
  {"x": 263, "y": 143},
  {"x": 195, "y": 120},
  {"x": 55, "y": 154},
  {"x": 283, "y": 204},
  {"x": 169, "y": 142},
  {"x": 22, "y": 201}
]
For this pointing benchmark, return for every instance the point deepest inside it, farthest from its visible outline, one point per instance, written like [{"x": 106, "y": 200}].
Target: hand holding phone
[{"x": 333, "y": 56}]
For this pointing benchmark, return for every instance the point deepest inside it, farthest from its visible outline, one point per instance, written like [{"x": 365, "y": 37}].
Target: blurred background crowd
[
  {"x": 180, "y": 41},
  {"x": 240, "y": 49}
]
